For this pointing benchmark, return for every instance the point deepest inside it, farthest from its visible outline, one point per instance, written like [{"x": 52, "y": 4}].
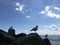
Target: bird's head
[{"x": 36, "y": 25}]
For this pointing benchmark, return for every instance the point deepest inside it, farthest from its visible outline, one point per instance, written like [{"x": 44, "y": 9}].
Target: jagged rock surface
[{"x": 31, "y": 39}]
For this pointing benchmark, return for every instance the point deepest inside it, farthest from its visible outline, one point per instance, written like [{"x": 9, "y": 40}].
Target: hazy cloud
[
  {"x": 56, "y": 8},
  {"x": 52, "y": 27},
  {"x": 19, "y": 7},
  {"x": 27, "y": 16},
  {"x": 53, "y": 15},
  {"x": 49, "y": 12}
]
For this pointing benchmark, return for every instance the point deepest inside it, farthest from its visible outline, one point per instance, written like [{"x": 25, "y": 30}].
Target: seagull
[
  {"x": 35, "y": 28},
  {"x": 46, "y": 35}
]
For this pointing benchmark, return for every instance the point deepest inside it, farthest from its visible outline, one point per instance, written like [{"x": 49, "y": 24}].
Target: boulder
[{"x": 30, "y": 39}]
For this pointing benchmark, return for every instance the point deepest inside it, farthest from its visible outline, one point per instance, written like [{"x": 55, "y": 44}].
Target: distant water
[
  {"x": 54, "y": 39},
  {"x": 55, "y": 42}
]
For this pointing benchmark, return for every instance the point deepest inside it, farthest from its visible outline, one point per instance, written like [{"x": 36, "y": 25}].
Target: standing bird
[
  {"x": 46, "y": 35},
  {"x": 35, "y": 28}
]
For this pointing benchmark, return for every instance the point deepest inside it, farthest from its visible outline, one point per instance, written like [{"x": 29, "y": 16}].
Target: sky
[{"x": 23, "y": 15}]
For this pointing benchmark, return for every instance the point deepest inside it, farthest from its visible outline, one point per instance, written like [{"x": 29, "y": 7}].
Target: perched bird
[
  {"x": 35, "y": 28},
  {"x": 46, "y": 35}
]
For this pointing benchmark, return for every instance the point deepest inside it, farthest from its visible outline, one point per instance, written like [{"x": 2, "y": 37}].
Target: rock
[
  {"x": 30, "y": 39},
  {"x": 5, "y": 37},
  {"x": 20, "y": 35},
  {"x": 11, "y": 31}
]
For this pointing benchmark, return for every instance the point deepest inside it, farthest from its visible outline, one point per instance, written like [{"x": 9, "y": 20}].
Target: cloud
[
  {"x": 49, "y": 32},
  {"x": 22, "y": 7},
  {"x": 52, "y": 27},
  {"x": 42, "y": 12},
  {"x": 48, "y": 11},
  {"x": 27, "y": 16},
  {"x": 52, "y": 15},
  {"x": 17, "y": 4},
  {"x": 56, "y": 8},
  {"x": 47, "y": 8},
  {"x": 19, "y": 7}
]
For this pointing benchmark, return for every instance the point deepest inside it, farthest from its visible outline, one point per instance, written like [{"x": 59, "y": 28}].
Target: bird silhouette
[
  {"x": 35, "y": 28},
  {"x": 46, "y": 35}
]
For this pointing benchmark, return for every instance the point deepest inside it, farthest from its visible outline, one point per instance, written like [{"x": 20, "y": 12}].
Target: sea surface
[
  {"x": 54, "y": 39},
  {"x": 55, "y": 42}
]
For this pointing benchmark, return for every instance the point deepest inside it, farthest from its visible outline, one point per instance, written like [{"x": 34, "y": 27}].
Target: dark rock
[
  {"x": 11, "y": 31},
  {"x": 20, "y": 35},
  {"x": 31, "y": 39},
  {"x": 46, "y": 40},
  {"x": 5, "y": 37}
]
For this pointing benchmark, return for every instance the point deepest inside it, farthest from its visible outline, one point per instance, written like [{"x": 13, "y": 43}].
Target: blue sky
[{"x": 23, "y": 15}]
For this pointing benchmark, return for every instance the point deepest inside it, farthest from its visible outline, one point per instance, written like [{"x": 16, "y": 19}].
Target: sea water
[
  {"x": 55, "y": 42},
  {"x": 54, "y": 39}
]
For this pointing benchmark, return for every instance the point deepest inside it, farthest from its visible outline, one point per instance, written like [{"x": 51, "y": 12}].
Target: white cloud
[
  {"x": 20, "y": 7},
  {"x": 27, "y": 16},
  {"x": 45, "y": 26},
  {"x": 17, "y": 4},
  {"x": 52, "y": 27},
  {"x": 49, "y": 12},
  {"x": 56, "y": 8},
  {"x": 17, "y": 8},
  {"x": 49, "y": 32},
  {"x": 53, "y": 15},
  {"x": 47, "y": 8},
  {"x": 42, "y": 12}
]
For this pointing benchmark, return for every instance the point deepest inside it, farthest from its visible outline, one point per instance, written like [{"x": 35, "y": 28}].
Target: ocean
[
  {"x": 54, "y": 39},
  {"x": 55, "y": 42}
]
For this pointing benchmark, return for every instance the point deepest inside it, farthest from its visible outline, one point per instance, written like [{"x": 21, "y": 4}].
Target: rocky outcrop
[
  {"x": 20, "y": 35},
  {"x": 5, "y": 37},
  {"x": 30, "y": 39},
  {"x": 20, "y": 39}
]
